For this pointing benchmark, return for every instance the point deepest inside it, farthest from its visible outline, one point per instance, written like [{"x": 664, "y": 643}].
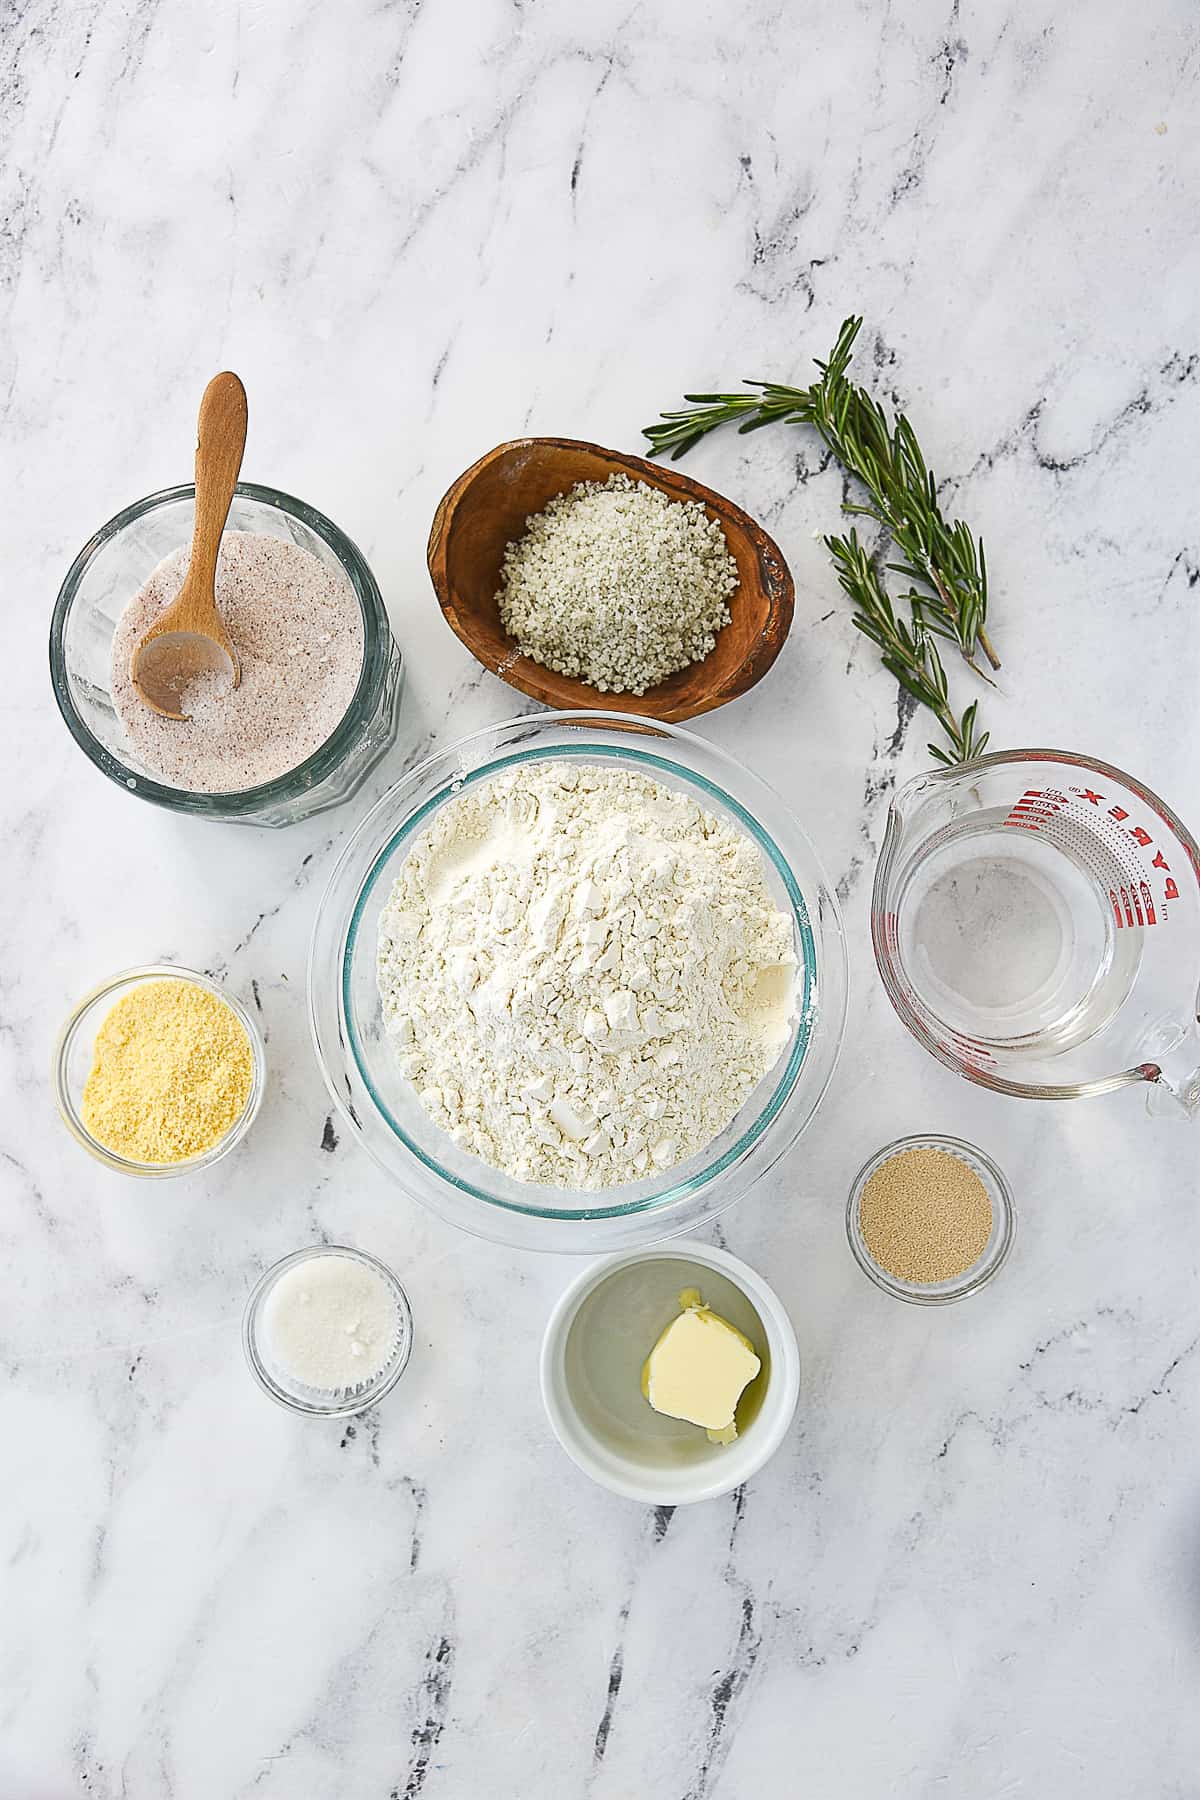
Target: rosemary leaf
[{"x": 942, "y": 559}]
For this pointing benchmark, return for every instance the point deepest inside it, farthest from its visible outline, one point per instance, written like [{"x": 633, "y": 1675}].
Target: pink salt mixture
[{"x": 297, "y": 628}]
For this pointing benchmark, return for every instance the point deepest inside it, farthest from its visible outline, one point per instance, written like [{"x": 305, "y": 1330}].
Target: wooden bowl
[{"x": 486, "y": 510}]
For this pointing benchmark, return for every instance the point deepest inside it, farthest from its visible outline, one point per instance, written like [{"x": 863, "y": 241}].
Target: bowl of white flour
[{"x": 578, "y": 981}]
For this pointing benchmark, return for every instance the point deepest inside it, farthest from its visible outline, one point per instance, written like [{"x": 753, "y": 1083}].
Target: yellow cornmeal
[{"x": 171, "y": 1072}]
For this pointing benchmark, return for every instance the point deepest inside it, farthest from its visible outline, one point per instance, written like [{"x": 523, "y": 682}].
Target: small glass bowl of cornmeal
[
  {"x": 670, "y": 1375},
  {"x": 159, "y": 1071}
]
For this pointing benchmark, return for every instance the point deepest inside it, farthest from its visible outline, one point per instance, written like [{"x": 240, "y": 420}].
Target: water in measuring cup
[{"x": 1008, "y": 937}]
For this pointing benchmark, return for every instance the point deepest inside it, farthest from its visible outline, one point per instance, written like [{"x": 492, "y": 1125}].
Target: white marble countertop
[{"x": 416, "y": 229}]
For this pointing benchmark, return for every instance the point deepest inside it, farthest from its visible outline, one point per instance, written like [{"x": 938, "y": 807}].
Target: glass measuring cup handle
[{"x": 1174, "y": 1076}]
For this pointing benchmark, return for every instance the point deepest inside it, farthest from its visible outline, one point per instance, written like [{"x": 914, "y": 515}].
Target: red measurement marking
[
  {"x": 1134, "y": 905},
  {"x": 1034, "y": 805}
]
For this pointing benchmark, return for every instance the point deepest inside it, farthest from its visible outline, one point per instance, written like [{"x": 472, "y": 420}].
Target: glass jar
[{"x": 110, "y": 569}]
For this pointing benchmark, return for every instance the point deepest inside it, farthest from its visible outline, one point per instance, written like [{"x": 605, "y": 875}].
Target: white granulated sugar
[
  {"x": 617, "y": 584},
  {"x": 297, "y": 628},
  {"x": 583, "y": 974},
  {"x": 330, "y": 1323}
]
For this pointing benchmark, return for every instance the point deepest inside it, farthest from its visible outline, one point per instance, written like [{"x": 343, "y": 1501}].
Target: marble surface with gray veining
[{"x": 417, "y": 229}]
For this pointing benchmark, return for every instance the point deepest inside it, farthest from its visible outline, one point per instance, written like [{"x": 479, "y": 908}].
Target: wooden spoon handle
[{"x": 220, "y": 441}]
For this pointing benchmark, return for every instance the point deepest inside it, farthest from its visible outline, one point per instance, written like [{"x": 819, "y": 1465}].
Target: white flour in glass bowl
[{"x": 583, "y": 974}]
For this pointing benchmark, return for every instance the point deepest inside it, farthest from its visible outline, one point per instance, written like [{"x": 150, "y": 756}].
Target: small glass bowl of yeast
[{"x": 993, "y": 1254}]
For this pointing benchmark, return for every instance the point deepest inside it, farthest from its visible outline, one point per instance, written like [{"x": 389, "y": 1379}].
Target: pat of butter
[{"x": 699, "y": 1369}]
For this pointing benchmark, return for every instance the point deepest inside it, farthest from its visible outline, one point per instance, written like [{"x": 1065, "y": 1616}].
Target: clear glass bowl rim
[
  {"x": 327, "y": 758},
  {"x": 828, "y": 1019},
  {"x": 388, "y": 1376},
  {"x": 69, "y": 1112},
  {"x": 972, "y": 1279}
]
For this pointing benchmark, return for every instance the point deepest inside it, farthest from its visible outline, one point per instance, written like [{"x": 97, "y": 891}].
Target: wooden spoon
[
  {"x": 189, "y": 637},
  {"x": 489, "y": 506}
]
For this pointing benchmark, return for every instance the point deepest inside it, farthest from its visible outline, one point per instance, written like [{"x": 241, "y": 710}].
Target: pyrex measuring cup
[{"x": 1036, "y": 921}]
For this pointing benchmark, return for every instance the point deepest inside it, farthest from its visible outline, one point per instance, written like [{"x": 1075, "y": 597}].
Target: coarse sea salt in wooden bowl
[{"x": 487, "y": 509}]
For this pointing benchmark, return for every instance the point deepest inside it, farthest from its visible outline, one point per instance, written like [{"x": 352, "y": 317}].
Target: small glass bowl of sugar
[{"x": 328, "y": 1331}]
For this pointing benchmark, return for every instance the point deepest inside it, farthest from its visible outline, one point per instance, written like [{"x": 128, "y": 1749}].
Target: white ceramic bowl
[{"x": 596, "y": 1342}]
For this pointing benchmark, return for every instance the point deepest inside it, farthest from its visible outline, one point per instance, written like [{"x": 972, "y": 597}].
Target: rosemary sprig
[
  {"x": 910, "y": 654},
  {"x": 889, "y": 463},
  {"x": 943, "y": 558}
]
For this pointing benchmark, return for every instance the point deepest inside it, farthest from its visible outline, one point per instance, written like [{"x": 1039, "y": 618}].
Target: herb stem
[
  {"x": 986, "y": 643},
  {"x": 943, "y": 560}
]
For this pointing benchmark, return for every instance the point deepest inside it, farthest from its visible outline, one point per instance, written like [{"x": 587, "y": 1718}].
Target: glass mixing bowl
[
  {"x": 380, "y": 1105},
  {"x": 111, "y": 568}
]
